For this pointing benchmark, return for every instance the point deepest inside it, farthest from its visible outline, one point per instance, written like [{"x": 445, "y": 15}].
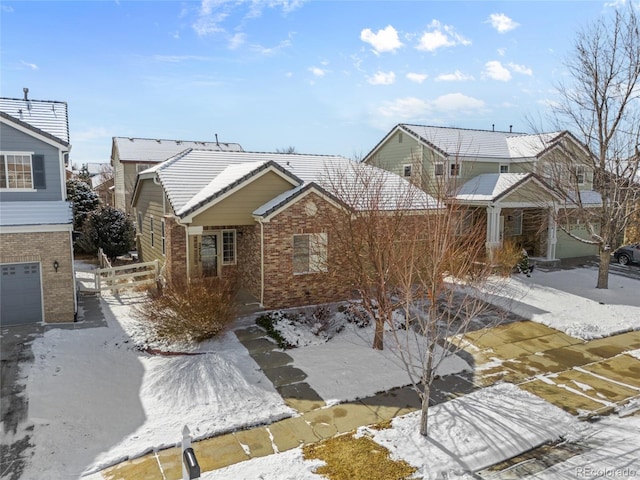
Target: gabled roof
[
  {"x": 493, "y": 187},
  {"x": 195, "y": 178},
  {"x": 148, "y": 150},
  {"x": 46, "y": 116},
  {"x": 468, "y": 143}
]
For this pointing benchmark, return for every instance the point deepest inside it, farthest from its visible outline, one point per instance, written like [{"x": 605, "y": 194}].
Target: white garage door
[{"x": 20, "y": 293}]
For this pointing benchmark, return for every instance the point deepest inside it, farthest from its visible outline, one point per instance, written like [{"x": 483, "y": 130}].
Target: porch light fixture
[{"x": 56, "y": 265}]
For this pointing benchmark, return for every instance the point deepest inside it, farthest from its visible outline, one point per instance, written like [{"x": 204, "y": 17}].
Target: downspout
[
  {"x": 261, "y": 263},
  {"x": 73, "y": 278},
  {"x": 186, "y": 234}
]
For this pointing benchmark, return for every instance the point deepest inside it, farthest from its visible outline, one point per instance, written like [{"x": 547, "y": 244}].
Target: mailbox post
[{"x": 190, "y": 466}]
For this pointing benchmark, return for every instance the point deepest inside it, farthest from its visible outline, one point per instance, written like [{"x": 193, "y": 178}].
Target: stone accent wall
[
  {"x": 176, "y": 250},
  {"x": 58, "y": 288},
  {"x": 282, "y": 287}
]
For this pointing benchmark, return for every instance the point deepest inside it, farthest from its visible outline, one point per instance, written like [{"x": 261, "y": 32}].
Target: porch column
[
  {"x": 493, "y": 228},
  {"x": 552, "y": 235}
]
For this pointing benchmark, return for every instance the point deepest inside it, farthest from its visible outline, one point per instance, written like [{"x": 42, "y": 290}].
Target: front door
[{"x": 209, "y": 255}]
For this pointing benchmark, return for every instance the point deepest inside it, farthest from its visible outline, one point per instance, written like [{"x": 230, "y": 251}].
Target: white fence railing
[{"x": 118, "y": 278}]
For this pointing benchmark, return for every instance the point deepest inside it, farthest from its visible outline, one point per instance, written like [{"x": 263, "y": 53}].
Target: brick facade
[
  {"x": 58, "y": 288},
  {"x": 282, "y": 287},
  {"x": 175, "y": 266}
]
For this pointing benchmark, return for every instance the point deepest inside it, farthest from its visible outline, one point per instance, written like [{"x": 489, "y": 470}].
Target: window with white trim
[
  {"x": 228, "y": 247},
  {"x": 580, "y": 174},
  {"x": 454, "y": 170},
  {"x": 143, "y": 166},
  {"x": 504, "y": 168},
  {"x": 151, "y": 231},
  {"x": 309, "y": 253},
  {"x": 162, "y": 236},
  {"x": 406, "y": 170},
  {"x": 438, "y": 169},
  {"x": 16, "y": 171}
]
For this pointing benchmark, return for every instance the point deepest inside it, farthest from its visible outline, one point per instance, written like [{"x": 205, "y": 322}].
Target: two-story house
[
  {"x": 36, "y": 250},
  {"x": 502, "y": 179},
  {"x": 130, "y": 156}
]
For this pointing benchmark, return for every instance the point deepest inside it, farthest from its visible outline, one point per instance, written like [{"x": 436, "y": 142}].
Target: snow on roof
[
  {"x": 196, "y": 176},
  {"x": 489, "y": 186},
  {"x": 46, "y": 115},
  {"x": 482, "y": 143},
  {"x": 588, "y": 198},
  {"x": 281, "y": 199},
  {"x": 35, "y": 213},
  {"x": 148, "y": 150}
]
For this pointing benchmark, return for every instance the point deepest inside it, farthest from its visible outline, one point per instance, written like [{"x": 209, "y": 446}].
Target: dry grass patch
[{"x": 350, "y": 458}]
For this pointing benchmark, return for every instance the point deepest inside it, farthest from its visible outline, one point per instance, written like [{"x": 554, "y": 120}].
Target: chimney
[{"x": 26, "y": 93}]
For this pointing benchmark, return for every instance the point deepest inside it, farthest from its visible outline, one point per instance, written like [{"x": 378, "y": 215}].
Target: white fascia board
[
  {"x": 189, "y": 218},
  {"x": 296, "y": 199},
  {"x": 61, "y": 227},
  {"x": 42, "y": 138}
]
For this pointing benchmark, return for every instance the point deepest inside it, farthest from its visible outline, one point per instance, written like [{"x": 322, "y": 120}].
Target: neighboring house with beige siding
[
  {"x": 504, "y": 178},
  {"x": 256, "y": 218},
  {"x": 130, "y": 156},
  {"x": 36, "y": 251}
]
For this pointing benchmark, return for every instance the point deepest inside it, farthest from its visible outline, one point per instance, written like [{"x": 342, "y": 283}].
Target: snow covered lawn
[{"x": 567, "y": 300}]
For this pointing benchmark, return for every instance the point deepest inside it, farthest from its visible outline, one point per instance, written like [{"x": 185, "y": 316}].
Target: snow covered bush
[
  {"x": 83, "y": 201},
  {"x": 190, "y": 312},
  {"x": 110, "y": 229}
]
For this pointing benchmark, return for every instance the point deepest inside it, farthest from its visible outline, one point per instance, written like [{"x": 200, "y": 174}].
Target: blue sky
[{"x": 326, "y": 77}]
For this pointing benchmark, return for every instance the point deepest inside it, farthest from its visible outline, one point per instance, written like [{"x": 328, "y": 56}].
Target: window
[
  {"x": 513, "y": 224},
  {"x": 454, "y": 170},
  {"x": 438, "y": 168},
  {"x": 580, "y": 174},
  {"x": 162, "y": 236},
  {"x": 17, "y": 171},
  {"x": 310, "y": 253},
  {"x": 504, "y": 168},
  {"x": 151, "y": 230},
  {"x": 228, "y": 247},
  {"x": 406, "y": 170},
  {"x": 142, "y": 166},
  {"x": 140, "y": 222}
]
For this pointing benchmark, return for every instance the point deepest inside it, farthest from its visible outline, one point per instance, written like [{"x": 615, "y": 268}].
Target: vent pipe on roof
[
  {"x": 218, "y": 144},
  {"x": 510, "y": 128},
  {"x": 493, "y": 127},
  {"x": 26, "y": 93}
]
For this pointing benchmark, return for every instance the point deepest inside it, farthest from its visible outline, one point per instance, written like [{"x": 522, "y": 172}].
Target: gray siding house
[{"x": 36, "y": 250}]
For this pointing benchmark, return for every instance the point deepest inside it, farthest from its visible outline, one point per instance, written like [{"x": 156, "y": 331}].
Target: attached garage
[{"x": 20, "y": 293}]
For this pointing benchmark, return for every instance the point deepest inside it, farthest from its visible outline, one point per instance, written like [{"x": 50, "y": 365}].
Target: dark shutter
[{"x": 37, "y": 163}]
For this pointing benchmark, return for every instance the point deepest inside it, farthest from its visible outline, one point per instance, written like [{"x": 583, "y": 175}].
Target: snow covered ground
[{"x": 94, "y": 399}]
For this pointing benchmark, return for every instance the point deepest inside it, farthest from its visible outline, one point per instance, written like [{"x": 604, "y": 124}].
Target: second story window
[
  {"x": 151, "y": 231},
  {"x": 504, "y": 168},
  {"x": 438, "y": 169},
  {"x": 17, "y": 171},
  {"x": 454, "y": 170},
  {"x": 164, "y": 245},
  {"x": 406, "y": 170},
  {"x": 579, "y": 174}
]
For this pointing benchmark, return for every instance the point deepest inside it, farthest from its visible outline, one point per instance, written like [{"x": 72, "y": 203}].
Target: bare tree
[
  {"x": 419, "y": 267},
  {"x": 289, "y": 149},
  {"x": 600, "y": 101}
]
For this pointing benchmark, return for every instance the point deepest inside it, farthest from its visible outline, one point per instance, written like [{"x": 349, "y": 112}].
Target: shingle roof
[
  {"x": 148, "y": 150},
  {"x": 46, "y": 115},
  {"x": 197, "y": 176},
  {"x": 35, "y": 213},
  {"x": 482, "y": 143}
]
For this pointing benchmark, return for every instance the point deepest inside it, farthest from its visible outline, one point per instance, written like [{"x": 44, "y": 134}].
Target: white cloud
[
  {"x": 382, "y": 78},
  {"x": 7, "y": 8},
  {"x": 31, "y": 66},
  {"x": 386, "y": 40},
  {"x": 417, "y": 77},
  {"x": 413, "y": 108},
  {"x": 502, "y": 23},
  {"x": 237, "y": 40},
  {"x": 496, "y": 71},
  {"x": 502, "y": 51},
  {"x": 457, "y": 102},
  {"x": 317, "y": 72},
  {"x": 271, "y": 50},
  {"x": 520, "y": 69},
  {"x": 438, "y": 36},
  {"x": 456, "y": 76}
]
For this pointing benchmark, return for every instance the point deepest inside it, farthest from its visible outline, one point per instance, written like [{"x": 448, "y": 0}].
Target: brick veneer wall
[
  {"x": 282, "y": 287},
  {"x": 58, "y": 288},
  {"x": 175, "y": 266},
  {"x": 248, "y": 255}
]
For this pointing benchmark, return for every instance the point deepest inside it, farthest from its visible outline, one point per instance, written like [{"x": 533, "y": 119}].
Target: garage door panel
[{"x": 20, "y": 293}]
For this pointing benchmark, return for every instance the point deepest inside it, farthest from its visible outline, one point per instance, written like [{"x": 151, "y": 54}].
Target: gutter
[{"x": 261, "y": 263}]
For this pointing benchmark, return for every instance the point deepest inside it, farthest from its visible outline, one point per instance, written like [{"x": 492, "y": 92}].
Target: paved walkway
[{"x": 580, "y": 377}]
